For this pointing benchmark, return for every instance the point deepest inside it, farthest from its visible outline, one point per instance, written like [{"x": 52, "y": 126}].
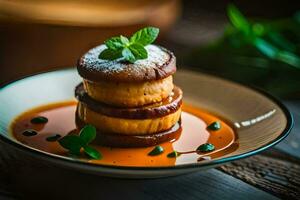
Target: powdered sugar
[{"x": 156, "y": 57}]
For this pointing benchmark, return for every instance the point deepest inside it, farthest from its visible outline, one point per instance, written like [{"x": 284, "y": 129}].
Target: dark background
[
  {"x": 188, "y": 27},
  {"x": 30, "y": 46}
]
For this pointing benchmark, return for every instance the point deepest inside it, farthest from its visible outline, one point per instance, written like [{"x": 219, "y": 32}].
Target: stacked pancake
[{"x": 130, "y": 104}]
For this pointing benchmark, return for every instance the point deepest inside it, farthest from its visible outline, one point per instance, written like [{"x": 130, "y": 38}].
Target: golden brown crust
[
  {"x": 129, "y": 94},
  {"x": 124, "y": 126},
  {"x": 117, "y": 140},
  {"x": 167, "y": 106},
  {"x": 160, "y": 64}
]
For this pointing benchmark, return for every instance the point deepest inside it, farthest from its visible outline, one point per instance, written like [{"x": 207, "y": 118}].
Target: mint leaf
[
  {"x": 124, "y": 40},
  {"x": 74, "y": 143},
  {"x": 131, "y": 50},
  {"x": 145, "y": 36},
  {"x": 71, "y": 142},
  {"x": 128, "y": 55},
  {"x": 138, "y": 51},
  {"x": 114, "y": 43},
  {"x": 87, "y": 134},
  {"x": 110, "y": 54},
  {"x": 93, "y": 153}
]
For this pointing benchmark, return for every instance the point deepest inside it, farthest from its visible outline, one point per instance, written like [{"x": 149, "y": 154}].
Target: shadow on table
[{"x": 49, "y": 182}]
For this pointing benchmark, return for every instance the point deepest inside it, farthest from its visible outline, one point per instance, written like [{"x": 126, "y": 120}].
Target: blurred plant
[
  {"x": 264, "y": 37},
  {"x": 264, "y": 53}
]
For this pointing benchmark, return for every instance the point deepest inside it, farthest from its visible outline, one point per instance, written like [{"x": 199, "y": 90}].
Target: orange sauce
[{"x": 61, "y": 118}]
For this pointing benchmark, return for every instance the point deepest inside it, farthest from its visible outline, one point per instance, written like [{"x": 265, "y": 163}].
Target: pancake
[
  {"x": 125, "y": 126},
  {"x": 129, "y": 94},
  {"x": 165, "y": 107},
  {"x": 126, "y": 141},
  {"x": 124, "y": 84},
  {"x": 160, "y": 64}
]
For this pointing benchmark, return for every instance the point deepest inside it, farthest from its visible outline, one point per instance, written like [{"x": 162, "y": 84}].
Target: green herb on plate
[
  {"x": 29, "y": 133},
  {"x": 132, "y": 49},
  {"x": 53, "y": 138},
  {"x": 156, "y": 151},
  {"x": 92, "y": 152},
  {"x": 74, "y": 143},
  {"x": 173, "y": 154},
  {"x": 214, "y": 126},
  {"x": 39, "y": 120},
  {"x": 207, "y": 147}
]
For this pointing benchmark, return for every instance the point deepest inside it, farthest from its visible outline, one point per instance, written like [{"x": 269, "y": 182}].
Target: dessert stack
[{"x": 132, "y": 103}]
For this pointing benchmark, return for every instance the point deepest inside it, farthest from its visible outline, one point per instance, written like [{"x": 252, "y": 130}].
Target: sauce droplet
[
  {"x": 39, "y": 120},
  {"x": 29, "y": 133},
  {"x": 156, "y": 151},
  {"x": 53, "y": 138},
  {"x": 206, "y": 147},
  {"x": 214, "y": 126},
  {"x": 173, "y": 154}
]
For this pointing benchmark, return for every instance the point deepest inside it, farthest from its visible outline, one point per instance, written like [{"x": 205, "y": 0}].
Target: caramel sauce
[{"x": 61, "y": 120}]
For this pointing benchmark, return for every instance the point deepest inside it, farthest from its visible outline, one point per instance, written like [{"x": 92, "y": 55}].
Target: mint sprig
[
  {"x": 74, "y": 143},
  {"x": 132, "y": 49},
  {"x": 145, "y": 36}
]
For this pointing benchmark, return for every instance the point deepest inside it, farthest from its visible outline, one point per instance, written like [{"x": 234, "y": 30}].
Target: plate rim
[{"x": 69, "y": 161}]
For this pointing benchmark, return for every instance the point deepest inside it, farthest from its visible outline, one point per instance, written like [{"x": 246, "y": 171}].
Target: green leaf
[
  {"x": 110, "y": 54},
  {"x": 145, "y": 36},
  {"x": 74, "y": 142},
  {"x": 124, "y": 40},
  {"x": 173, "y": 154},
  {"x": 156, "y": 151},
  {"x": 274, "y": 53},
  {"x": 87, "y": 134},
  {"x": 279, "y": 40},
  {"x": 131, "y": 50},
  {"x": 258, "y": 29},
  {"x": 71, "y": 142},
  {"x": 138, "y": 51},
  {"x": 114, "y": 43},
  {"x": 266, "y": 48},
  {"x": 214, "y": 126},
  {"x": 93, "y": 153},
  {"x": 237, "y": 19},
  {"x": 128, "y": 55},
  {"x": 207, "y": 147},
  {"x": 289, "y": 58}
]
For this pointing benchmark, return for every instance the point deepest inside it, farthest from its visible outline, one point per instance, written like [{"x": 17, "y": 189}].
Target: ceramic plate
[{"x": 258, "y": 120}]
